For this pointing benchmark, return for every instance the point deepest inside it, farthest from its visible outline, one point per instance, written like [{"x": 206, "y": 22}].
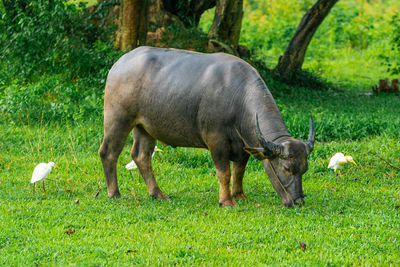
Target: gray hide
[{"x": 200, "y": 100}]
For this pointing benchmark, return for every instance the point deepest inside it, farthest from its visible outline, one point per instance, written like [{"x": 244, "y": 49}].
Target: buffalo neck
[{"x": 259, "y": 101}]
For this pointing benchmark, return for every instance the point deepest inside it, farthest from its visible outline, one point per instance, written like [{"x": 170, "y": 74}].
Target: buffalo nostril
[
  {"x": 299, "y": 201},
  {"x": 287, "y": 203}
]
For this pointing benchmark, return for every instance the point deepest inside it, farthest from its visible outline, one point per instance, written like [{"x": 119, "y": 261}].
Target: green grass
[
  {"x": 355, "y": 221},
  {"x": 57, "y": 116},
  {"x": 347, "y": 115}
]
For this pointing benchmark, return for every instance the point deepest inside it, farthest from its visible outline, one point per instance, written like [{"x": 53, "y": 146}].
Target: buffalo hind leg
[
  {"x": 237, "y": 180},
  {"x": 115, "y": 134},
  {"x": 223, "y": 170},
  {"x": 142, "y": 150}
]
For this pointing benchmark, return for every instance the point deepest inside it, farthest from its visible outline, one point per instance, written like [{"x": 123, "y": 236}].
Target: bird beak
[
  {"x": 352, "y": 161},
  {"x": 56, "y": 166},
  {"x": 157, "y": 149}
]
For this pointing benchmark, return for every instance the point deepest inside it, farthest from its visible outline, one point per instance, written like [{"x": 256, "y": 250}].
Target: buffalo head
[{"x": 285, "y": 163}]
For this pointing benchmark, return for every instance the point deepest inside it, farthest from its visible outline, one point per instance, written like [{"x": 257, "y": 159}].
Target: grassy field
[
  {"x": 356, "y": 221},
  {"x": 50, "y": 111}
]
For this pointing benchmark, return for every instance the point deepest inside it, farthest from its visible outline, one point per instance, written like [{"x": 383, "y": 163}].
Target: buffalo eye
[{"x": 286, "y": 168}]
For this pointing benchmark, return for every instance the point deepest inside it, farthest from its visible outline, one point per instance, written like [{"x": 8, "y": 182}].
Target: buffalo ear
[{"x": 256, "y": 152}]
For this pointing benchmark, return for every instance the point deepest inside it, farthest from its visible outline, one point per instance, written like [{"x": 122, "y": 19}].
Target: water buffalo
[{"x": 213, "y": 101}]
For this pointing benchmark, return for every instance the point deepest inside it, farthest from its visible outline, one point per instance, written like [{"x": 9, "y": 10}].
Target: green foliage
[
  {"x": 393, "y": 59},
  {"x": 181, "y": 8},
  {"x": 52, "y": 37},
  {"x": 305, "y": 79},
  {"x": 180, "y": 37},
  {"x": 51, "y": 98},
  {"x": 347, "y": 49},
  {"x": 54, "y": 61},
  {"x": 338, "y": 115},
  {"x": 50, "y": 109}
]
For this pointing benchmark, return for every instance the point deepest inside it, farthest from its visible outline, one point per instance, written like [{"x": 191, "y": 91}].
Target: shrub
[
  {"x": 393, "y": 59},
  {"x": 54, "y": 37},
  {"x": 51, "y": 98},
  {"x": 54, "y": 58}
]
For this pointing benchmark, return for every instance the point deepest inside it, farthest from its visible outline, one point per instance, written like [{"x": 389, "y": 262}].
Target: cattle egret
[
  {"x": 338, "y": 160},
  {"x": 40, "y": 172},
  {"x": 132, "y": 165}
]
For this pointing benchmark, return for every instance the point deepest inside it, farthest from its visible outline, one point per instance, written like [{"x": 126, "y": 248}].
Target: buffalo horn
[
  {"x": 311, "y": 137},
  {"x": 270, "y": 148}
]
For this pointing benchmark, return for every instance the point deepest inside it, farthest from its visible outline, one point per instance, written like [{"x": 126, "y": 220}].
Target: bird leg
[
  {"x": 337, "y": 176},
  {"x": 44, "y": 188},
  {"x": 33, "y": 187},
  {"x": 130, "y": 172}
]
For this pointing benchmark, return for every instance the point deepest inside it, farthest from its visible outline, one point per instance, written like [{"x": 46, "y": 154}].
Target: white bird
[
  {"x": 338, "y": 160},
  {"x": 40, "y": 172},
  {"x": 132, "y": 165}
]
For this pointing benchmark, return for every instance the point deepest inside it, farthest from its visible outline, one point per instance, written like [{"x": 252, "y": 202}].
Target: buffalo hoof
[
  {"x": 159, "y": 195},
  {"x": 240, "y": 195},
  {"x": 114, "y": 194},
  {"x": 227, "y": 203}
]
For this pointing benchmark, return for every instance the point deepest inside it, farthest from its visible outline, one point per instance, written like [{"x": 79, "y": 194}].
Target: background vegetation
[
  {"x": 352, "y": 46},
  {"x": 52, "y": 74}
]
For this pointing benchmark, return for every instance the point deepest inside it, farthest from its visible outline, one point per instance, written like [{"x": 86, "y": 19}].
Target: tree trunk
[
  {"x": 187, "y": 12},
  {"x": 197, "y": 8},
  {"x": 227, "y": 22},
  {"x": 159, "y": 16},
  {"x": 292, "y": 60},
  {"x": 132, "y": 24}
]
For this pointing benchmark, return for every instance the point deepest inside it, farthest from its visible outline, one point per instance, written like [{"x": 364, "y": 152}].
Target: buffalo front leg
[
  {"x": 115, "y": 134},
  {"x": 224, "y": 175},
  {"x": 142, "y": 150},
  {"x": 237, "y": 180}
]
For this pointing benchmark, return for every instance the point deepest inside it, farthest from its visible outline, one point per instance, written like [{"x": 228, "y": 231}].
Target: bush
[
  {"x": 393, "y": 60},
  {"x": 54, "y": 37},
  {"x": 54, "y": 60},
  {"x": 354, "y": 33},
  {"x": 51, "y": 98}
]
